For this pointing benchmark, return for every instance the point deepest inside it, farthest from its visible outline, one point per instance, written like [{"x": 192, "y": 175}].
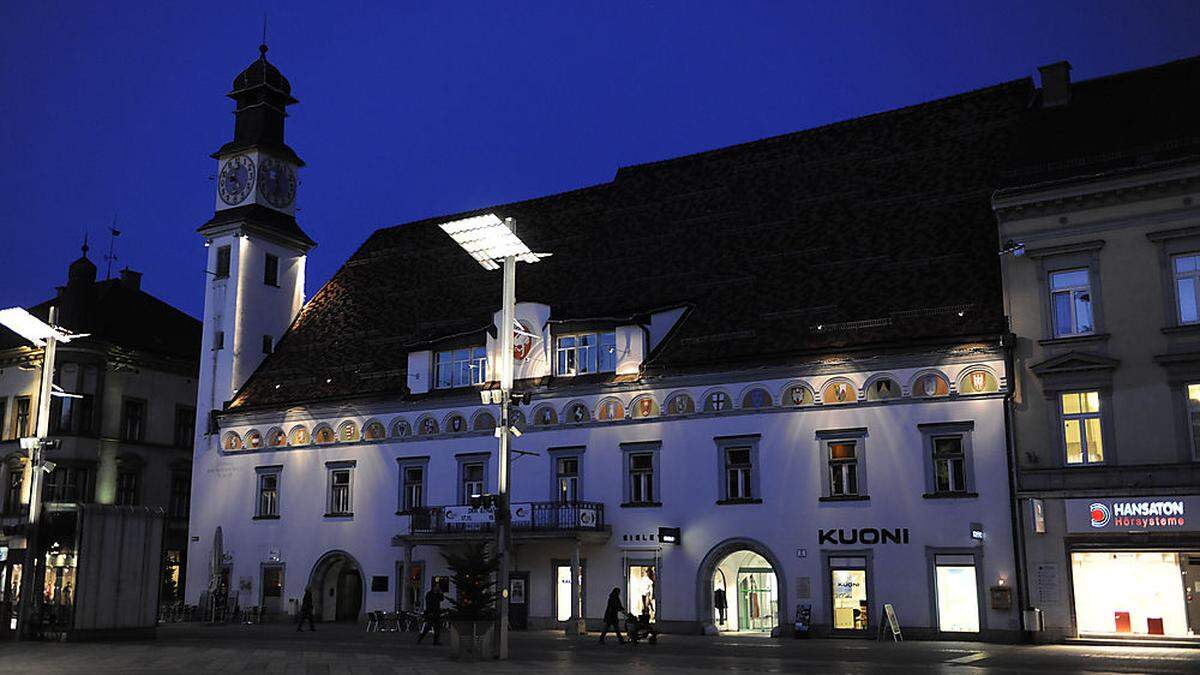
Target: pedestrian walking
[
  {"x": 433, "y": 613},
  {"x": 306, "y": 610},
  {"x": 612, "y": 616}
]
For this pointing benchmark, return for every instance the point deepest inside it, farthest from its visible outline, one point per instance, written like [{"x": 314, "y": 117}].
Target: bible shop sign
[{"x": 1134, "y": 514}]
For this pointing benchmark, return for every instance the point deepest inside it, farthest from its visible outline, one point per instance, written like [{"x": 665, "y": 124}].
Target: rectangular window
[
  {"x": 339, "y": 492},
  {"x": 949, "y": 462},
  {"x": 567, "y": 478},
  {"x": 1081, "y": 427},
  {"x": 413, "y": 491},
  {"x": 268, "y": 344},
  {"x": 219, "y": 340},
  {"x": 1187, "y": 287},
  {"x": 83, "y": 414},
  {"x": 62, "y": 409},
  {"x": 222, "y": 271},
  {"x": 585, "y": 353},
  {"x": 843, "y": 468},
  {"x": 268, "y": 495},
  {"x": 738, "y": 474},
  {"x": 127, "y": 488},
  {"x": 1071, "y": 302},
  {"x": 21, "y": 417},
  {"x": 66, "y": 484},
  {"x": 271, "y": 270},
  {"x": 957, "y": 593},
  {"x": 1193, "y": 414},
  {"x": 460, "y": 367},
  {"x": 641, "y": 478},
  {"x": 472, "y": 480},
  {"x": 181, "y": 495},
  {"x": 185, "y": 426},
  {"x": 16, "y": 480},
  {"x": 3, "y": 415},
  {"x": 133, "y": 420}
]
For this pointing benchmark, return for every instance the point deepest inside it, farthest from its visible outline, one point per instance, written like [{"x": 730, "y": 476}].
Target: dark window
[
  {"x": 82, "y": 417},
  {"x": 127, "y": 488},
  {"x": 60, "y": 414},
  {"x": 268, "y": 344},
  {"x": 271, "y": 270},
  {"x": 66, "y": 484},
  {"x": 185, "y": 426},
  {"x": 272, "y": 584},
  {"x": 268, "y": 494},
  {"x": 21, "y": 418},
  {"x": 737, "y": 474},
  {"x": 133, "y": 420},
  {"x": 181, "y": 495},
  {"x": 219, "y": 340},
  {"x": 414, "y": 488},
  {"x": 222, "y": 271},
  {"x": 948, "y": 459},
  {"x": 339, "y": 492},
  {"x": 641, "y": 478},
  {"x": 16, "y": 479},
  {"x": 3, "y": 412}
]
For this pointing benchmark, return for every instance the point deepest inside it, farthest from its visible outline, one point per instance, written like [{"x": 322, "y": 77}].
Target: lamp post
[
  {"x": 494, "y": 245},
  {"x": 47, "y": 336}
]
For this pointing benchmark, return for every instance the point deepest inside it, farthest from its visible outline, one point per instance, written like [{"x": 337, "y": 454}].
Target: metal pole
[
  {"x": 29, "y": 593},
  {"x": 506, "y": 365}
]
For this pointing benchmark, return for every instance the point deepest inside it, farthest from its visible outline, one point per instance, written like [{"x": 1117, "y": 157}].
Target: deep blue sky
[{"x": 412, "y": 109}]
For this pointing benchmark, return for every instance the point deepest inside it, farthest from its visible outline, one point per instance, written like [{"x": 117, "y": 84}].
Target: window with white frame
[
  {"x": 1081, "y": 427},
  {"x": 413, "y": 490},
  {"x": 460, "y": 367},
  {"x": 641, "y": 478},
  {"x": 949, "y": 464},
  {"x": 1187, "y": 287},
  {"x": 843, "y": 468},
  {"x": 341, "y": 484},
  {"x": 585, "y": 353},
  {"x": 1071, "y": 302},
  {"x": 738, "y": 473},
  {"x": 566, "y": 471},
  {"x": 472, "y": 480},
  {"x": 268, "y": 494}
]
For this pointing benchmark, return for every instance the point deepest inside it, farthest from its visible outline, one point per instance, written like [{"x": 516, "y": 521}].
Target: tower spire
[{"x": 262, "y": 46}]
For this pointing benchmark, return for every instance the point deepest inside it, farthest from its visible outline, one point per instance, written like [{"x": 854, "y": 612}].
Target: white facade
[{"x": 782, "y": 522}]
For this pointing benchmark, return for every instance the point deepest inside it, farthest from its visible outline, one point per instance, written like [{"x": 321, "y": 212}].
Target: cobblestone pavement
[{"x": 331, "y": 650}]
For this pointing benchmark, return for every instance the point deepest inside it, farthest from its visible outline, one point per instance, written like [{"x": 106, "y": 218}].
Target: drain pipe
[{"x": 1018, "y": 521}]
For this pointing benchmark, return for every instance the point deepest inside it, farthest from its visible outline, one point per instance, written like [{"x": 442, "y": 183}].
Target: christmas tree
[{"x": 474, "y": 574}]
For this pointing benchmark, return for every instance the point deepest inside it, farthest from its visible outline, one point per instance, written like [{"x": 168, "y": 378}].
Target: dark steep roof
[{"x": 873, "y": 231}]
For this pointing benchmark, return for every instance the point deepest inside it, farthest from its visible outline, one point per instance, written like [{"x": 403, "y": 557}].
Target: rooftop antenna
[
  {"x": 113, "y": 233},
  {"x": 264, "y": 38}
]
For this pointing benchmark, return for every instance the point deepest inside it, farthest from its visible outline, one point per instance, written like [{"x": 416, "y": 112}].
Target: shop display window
[
  {"x": 641, "y": 589},
  {"x": 957, "y": 594},
  {"x": 1135, "y": 593},
  {"x": 848, "y": 589}
]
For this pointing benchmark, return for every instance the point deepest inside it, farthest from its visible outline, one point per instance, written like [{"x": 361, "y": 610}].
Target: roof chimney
[
  {"x": 1056, "y": 84},
  {"x": 131, "y": 280}
]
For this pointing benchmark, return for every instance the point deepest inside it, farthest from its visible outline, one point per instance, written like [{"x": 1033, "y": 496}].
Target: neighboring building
[
  {"x": 1103, "y": 229},
  {"x": 790, "y": 350},
  {"x": 126, "y": 439}
]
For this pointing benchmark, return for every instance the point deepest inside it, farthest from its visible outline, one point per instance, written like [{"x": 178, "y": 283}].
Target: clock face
[
  {"x": 236, "y": 179},
  {"x": 277, "y": 182}
]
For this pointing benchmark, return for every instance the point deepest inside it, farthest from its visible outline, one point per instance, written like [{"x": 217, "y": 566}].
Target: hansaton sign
[{"x": 1133, "y": 514}]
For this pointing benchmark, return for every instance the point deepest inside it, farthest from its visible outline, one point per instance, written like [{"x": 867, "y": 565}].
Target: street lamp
[
  {"x": 46, "y": 336},
  {"x": 493, "y": 243}
]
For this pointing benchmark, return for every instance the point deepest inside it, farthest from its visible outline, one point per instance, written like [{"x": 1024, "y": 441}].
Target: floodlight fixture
[
  {"x": 32, "y": 328},
  {"x": 514, "y": 431},
  {"x": 489, "y": 240}
]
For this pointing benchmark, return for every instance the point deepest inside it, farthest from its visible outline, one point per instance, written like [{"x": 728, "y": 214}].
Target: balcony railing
[{"x": 526, "y": 517}]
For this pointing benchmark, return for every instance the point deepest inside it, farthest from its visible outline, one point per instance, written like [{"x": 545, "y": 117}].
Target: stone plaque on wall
[
  {"x": 1045, "y": 584},
  {"x": 803, "y": 588}
]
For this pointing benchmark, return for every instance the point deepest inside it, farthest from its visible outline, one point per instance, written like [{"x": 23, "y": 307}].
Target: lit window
[
  {"x": 268, "y": 495},
  {"x": 948, "y": 464},
  {"x": 1187, "y": 287},
  {"x": 586, "y": 353},
  {"x": 1193, "y": 406},
  {"x": 461, "y": 367},
  {"x": 737, "y": 474},
  {"x": 472, "y": 480},
  {"x": 843, "y": 468},
  {"x": 1081, "y": 427},
  {"x": 1071, "y": 302}
]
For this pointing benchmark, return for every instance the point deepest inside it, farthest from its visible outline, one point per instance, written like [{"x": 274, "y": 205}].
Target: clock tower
[{"x": 254, "y": 281}]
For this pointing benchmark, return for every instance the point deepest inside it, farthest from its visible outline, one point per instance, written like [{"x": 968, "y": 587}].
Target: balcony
[{"x": 531, "y": 521}]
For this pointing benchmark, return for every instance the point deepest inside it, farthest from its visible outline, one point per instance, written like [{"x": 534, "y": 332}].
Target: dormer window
[
  {"x": 461, "y": 367},
  {"x": 585, "y": 353}
]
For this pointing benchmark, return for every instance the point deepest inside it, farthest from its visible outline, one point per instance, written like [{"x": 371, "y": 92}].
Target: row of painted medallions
[{"x": 976, "y": 380}]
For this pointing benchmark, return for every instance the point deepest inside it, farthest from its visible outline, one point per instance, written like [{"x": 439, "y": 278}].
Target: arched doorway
[
  {"x": 337, "y": 585},
  {"x": 740, "y": 589}
]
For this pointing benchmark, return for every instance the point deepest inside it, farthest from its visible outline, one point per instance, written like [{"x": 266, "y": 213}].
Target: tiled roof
[{"x": 872, "y": 231}]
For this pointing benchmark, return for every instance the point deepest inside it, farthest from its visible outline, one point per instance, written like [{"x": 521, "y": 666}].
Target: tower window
[
  {"x": 219, "y": 340},
  {"x": 271, "y": 270},
  {"x": 268, "y": 344},
  {"x": 222, "y": 271}
]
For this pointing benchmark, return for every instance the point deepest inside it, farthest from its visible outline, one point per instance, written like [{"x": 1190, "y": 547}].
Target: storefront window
[
  {"x": 641, "y": 591},
  {"x": 1193, "y": 407},
  {"x": 957, "y": 594},
  {"x": 562, "y": 593},
  {"x": 1136, "y": 593},
  {"x": 849, "y": 591},
  {"x": 745, "y": 593}
]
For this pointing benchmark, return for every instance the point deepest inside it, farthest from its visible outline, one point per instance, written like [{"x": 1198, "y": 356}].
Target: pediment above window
[{"x": 1074, "y": 370}]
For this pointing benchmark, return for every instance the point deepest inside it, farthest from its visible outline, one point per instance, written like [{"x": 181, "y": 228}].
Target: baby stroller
[{"x": 640, "y": 628}]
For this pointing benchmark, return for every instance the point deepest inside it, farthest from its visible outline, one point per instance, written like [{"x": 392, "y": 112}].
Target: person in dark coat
[
  {"x": 306, "y": 610},
  {"x": 612, "y": 615},
  {"x": 433, "y": 613}
]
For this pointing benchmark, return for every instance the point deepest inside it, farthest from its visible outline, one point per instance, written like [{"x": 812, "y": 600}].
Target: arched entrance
[
  {"x": 337, "y": 585},
  {"x": 741, "y": 574}
]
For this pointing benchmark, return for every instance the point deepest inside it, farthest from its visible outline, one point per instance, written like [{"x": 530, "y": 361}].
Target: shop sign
[
  {"x": 863, "y": 535},
  {"x": 521, "y": 514},
  {"x": 1133, "y": 514}
]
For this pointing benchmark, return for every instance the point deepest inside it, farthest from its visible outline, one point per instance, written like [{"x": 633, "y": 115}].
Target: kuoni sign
[{"x": 1133, "y": 514}]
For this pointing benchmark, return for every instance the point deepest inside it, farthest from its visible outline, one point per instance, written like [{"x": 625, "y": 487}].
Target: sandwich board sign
[{"x": 889, "y": 625}]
